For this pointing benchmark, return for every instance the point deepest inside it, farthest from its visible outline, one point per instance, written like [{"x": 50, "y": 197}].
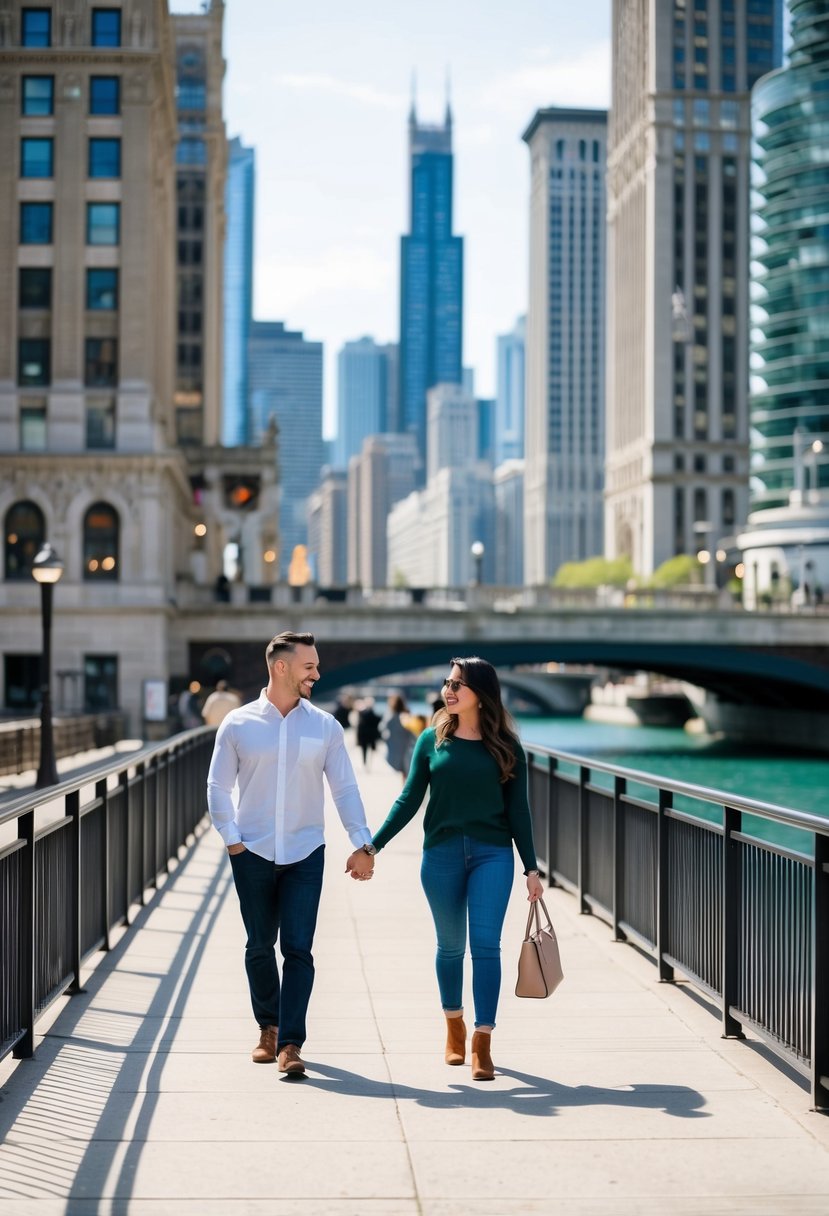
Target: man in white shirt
[{"x": 275, "y": 751}]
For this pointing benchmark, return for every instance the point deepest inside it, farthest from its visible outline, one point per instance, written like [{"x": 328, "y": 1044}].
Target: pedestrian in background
[
  {"x": 368, "y": 729},
  {"x": 219, "y": 704},
  {"x": 399, "y": 740}
]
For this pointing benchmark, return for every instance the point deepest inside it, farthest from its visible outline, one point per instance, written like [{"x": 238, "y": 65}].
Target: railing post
[
  {"x": 141, "y": 777},
  {"x": 732, "y": 899},
  {"x": 102, "y": 795},
  {"x": 619, "y": 790},
  {"x": 820, "y": 975},
  {"x": 124, "y": 782},
  {"x": 25, "y": 1048},
  {"x": 663, "y": 888},
  {"x": 582, "y": 874},
  {"x": 552, "y": 766},
  {"x": 73, "y": 810}
]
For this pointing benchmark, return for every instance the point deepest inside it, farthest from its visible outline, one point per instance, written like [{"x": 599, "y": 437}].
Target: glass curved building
[
  {"x": 789, "y": 387},
  {"x": 786, "y": 543}
]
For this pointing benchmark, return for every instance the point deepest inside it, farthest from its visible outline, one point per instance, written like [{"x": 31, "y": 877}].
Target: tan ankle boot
[
  {"x": 455, "y": 1041},
  {"x": 265, "y": 1050},
  {"x": 482, "y": 1067}
]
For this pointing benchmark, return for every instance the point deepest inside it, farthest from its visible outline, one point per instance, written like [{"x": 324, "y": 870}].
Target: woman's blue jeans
[
  {"x": 279, "y": 901},
  {"x": 465, "y": 879}
]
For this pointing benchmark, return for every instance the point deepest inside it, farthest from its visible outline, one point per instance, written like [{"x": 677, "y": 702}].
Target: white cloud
[
  {"x": 583, "y": 80},
  {"x": 364, "y": 93}
]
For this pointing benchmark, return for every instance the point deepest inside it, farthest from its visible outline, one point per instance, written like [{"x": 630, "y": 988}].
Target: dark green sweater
[{"x": 465, "y": 797}]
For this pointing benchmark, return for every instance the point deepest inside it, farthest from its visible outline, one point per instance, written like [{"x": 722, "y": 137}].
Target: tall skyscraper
[
  {"x": 508, "y": 482},
  {"x": 327, "y": 529},
  {"x": 565, "y": 356},
  {"x": 201, "y": 163},
  {"x": 678, "y": 187},
  {"x": 788, "y": 526},
  {"x": 509, "y": 400},
  {"x": 431, "y": 276},
  {"x": 452, "y": 429},
  {"x": 286, "y": 383},
  {"x": 238, "y": 290},
  {"x": 363, "y": 382}
]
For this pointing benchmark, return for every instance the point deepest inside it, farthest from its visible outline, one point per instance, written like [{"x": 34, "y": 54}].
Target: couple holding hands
[{"x": 277, "y": 750}]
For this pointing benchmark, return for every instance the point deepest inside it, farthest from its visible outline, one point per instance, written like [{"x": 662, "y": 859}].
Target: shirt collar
[{"x": 266, "y": 707}]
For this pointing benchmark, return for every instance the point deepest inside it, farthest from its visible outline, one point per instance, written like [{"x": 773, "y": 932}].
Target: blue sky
[{"x": 322, "y": 91}]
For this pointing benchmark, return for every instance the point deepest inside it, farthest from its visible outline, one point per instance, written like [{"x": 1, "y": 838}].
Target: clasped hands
[{"x": 360, "y": 865}]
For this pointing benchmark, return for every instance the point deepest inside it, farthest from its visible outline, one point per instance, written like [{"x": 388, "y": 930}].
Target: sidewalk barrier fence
[
  {"x": 731, "y": 892},
  {"x": 20, "y": 741},
  {"x": 84, "y": 853}
]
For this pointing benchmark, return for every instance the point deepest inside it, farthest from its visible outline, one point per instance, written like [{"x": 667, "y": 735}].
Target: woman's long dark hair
[{"x": 498, "y": 733}]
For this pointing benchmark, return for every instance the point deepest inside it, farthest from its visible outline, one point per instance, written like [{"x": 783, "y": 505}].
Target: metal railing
[
  {"x": 74, "y": 860},
  {"x": 732, "y": 893},
  {"x": 20, "y": 740}
]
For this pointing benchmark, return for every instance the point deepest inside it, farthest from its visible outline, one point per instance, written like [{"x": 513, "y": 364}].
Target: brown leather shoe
[
  {"x": 265, "y": 1051},
  {"x": 482, "y": 1067},
  {"x": 455, "y": 1041},
  {"x": 290, "y": 1061}
]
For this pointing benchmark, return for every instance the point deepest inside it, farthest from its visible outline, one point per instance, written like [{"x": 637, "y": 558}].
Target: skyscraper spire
[
  {"x": 413, "y": 106},
  {"x": 447, "y": 122}
]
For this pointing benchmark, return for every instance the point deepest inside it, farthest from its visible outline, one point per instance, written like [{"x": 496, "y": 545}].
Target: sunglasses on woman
[{"x": 454, "y": 684}]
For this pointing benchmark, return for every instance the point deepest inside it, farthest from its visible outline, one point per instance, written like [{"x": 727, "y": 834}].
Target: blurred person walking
[
  {"x": 219, "y": 704},
  {"x": 399, "y": 739}
]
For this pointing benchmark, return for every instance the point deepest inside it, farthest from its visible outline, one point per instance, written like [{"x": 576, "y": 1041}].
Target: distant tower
[
  {"x": 431, "y": 276},
  {"x": 238, "y": 290},
  {"x": 565, "y": 357}
]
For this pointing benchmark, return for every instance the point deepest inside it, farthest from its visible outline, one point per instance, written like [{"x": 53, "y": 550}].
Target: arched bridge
[{"x": 766, "y": 659}]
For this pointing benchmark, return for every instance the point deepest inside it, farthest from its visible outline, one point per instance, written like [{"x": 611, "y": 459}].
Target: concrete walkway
[{"x": 615, "y": 1096}]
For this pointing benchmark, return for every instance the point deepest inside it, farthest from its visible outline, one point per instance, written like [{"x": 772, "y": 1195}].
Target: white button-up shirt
[{"x": 265, "y": 784}]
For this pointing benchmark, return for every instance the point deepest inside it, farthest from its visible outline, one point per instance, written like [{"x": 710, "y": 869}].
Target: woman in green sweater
[{"x": 475, "y": 770}]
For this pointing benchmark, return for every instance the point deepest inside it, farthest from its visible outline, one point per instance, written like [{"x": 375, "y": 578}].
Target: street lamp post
[
  {"x": 477, "y": 551},
  {"x": 46, "y": 570}
]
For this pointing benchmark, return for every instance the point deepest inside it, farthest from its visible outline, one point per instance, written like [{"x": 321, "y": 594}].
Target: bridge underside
[{"x": 791, "y": 677}]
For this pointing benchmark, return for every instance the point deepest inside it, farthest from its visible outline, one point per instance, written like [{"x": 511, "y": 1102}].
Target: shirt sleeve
[
  {"x": 342, "y": 782},
  {"x": 517, "y": 807},
  {"x": 414, "y": 791},
  {"x": 221, "y": 779}
]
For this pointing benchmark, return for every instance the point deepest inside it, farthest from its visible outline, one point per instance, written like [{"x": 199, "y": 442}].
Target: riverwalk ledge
[{"x": 617, "y": 1095}]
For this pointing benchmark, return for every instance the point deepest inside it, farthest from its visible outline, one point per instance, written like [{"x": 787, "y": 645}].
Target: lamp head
[
  {"x": 477, "y": 548},
  {"x": 47, "y": 566}
]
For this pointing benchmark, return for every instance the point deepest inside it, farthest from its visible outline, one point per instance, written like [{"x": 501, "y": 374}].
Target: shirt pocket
[{"x": 310, "y": 752}]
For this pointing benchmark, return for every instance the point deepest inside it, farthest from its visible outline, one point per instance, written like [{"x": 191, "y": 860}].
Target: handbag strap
[{"x": 536, "y": 913}]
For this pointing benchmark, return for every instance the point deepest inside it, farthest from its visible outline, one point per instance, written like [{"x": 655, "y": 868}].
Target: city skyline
[{"x": 328, "y": 222}]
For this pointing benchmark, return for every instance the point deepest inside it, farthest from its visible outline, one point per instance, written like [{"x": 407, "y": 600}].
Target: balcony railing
[
  {"x": 732, "y": 893},
  {"x": 74, "y": 860}
]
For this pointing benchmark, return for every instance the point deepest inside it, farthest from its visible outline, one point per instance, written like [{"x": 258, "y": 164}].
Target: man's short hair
[{"x": 286, "y": 642}]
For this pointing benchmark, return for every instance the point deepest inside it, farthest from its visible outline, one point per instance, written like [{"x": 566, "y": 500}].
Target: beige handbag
[{"x": 539, "y": 963}]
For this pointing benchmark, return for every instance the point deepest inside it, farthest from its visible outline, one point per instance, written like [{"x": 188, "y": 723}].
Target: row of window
[
  {"x": 36, "y": 27},
  {"x": 34, "y": 362},
  {"x": 25, "y": 534},
  {"x": 103, "y": 223},
  {"x": 35, "y": 288},
  {"x": 37, "y": 157},
  {"x": 23, "y": 682},
  {"x": 37, "y": 97},
  {"x": 100, "y": 425}
]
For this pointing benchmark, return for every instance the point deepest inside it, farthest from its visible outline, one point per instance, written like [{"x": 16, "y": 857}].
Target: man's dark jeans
[{"x": 279, "y": 901}]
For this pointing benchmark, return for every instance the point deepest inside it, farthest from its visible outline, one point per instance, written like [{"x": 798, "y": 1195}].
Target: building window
[
  {"x": 191, "y": 152},
  {"x": 102, "y": 289},
  {"x": 191, "y": 95},
  {"x": 100, "y": 424},
  {"x": 103, "y": 223},
  {"x": 33, "y": 428},
  {"x": 38, "y": 96},
  {"x": 24, "y": 534},
  {"x": 36, "y": 157},
  {"x": 100, "y": 543},
  {"x": 729, "y": 513},
  {"x": 106, "y": 27},
  {"x": 104, "y": 95},
  {"x": 100, "y": 682},
  {"x": 35, "y": 223},
  {"x": 700, "y": 506},
  {"x": 34, "y": 287},
  {"x": 104, "y": 158},
  {"x": 33, "y": 361},
  {"x": 23, "y": 681},
  {"x": 101, "y": 367},
  {"x": 36, "y": 27}
]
